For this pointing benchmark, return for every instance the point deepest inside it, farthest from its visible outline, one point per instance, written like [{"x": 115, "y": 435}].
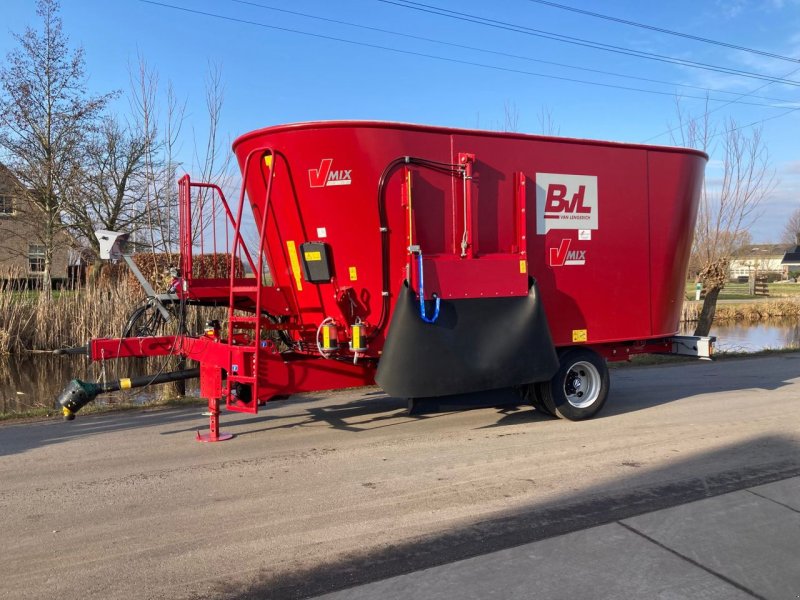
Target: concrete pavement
[{"x": 744, "y": 544}]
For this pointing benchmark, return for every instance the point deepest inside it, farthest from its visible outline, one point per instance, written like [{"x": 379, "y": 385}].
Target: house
[
  {"x": 759, "y": 259},
  {"x": 21, "y": 248}
]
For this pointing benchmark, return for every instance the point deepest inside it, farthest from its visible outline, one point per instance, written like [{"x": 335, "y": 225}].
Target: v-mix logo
[
  {"x": 561, "y": 256},
  {"x": 324, "y": 176}
]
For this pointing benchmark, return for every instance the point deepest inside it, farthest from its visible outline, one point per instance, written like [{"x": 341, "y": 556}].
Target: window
[
  {"x": 36, "y": 258},
  {"x": 6, "y": 205}
]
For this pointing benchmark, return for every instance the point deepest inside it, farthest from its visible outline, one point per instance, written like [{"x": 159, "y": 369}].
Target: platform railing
[{"x": 208, "y": 229}]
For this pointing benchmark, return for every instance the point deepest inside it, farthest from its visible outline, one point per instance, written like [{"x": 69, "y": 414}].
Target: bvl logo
[
  {"x": 565, "y": 202},
  {"x": 558, "y": 257},
  {"x": 324, "y": 176}
]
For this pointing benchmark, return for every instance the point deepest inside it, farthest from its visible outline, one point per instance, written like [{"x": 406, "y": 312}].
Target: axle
[{"x": 78, "y": 394}]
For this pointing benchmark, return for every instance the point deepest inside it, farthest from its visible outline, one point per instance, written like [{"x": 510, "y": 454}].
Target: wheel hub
[{"x": 582, "y": 385}]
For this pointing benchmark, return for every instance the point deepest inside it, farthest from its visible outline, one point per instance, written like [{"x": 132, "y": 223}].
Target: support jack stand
[{"x": 213, "y": 434}]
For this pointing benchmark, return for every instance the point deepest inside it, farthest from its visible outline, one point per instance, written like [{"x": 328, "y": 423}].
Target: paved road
[
  {"x": 325, "y": 492},
  {"x": 739, "y": 545}
]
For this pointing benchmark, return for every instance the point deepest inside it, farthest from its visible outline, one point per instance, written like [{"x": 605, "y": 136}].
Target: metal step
[
  {"x": 237, "y": 319},
  {"x": 243, "y": 409}
]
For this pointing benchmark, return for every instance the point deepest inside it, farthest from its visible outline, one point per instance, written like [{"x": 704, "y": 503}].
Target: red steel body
[{"x": 613, "y": 273}]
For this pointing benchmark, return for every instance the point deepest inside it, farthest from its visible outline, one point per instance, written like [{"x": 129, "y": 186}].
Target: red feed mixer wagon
[{"x": 432, "y": 261}]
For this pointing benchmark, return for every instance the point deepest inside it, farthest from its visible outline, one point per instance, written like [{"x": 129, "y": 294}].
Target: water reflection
[
  {"x": 35, "y": 380},
  {"x": 752, "y": 337}
]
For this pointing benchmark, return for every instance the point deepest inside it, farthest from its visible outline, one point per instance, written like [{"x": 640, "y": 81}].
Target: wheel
[
  {"x": 579, "y": 388},
  {"x": 530, "y": 393},
  {"x": 145, "y": 321}
]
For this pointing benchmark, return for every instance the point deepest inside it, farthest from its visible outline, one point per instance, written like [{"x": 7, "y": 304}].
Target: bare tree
[
  {"x": 546, "y": 123},
  {"x": 114, "y": 182},
  {"x": 791, "y": 230},
  {"x": 510, "y": 116},
  {"x": 45, "y": 114},
  {"x": 729, "y": 206},
  {"x": 162, "y": 130}
]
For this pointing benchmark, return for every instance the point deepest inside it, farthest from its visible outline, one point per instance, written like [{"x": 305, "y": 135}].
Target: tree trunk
[
  {"x": 96, "y": 271},
  {"x": 47, "y": 276},
  {"x": 706, "y": 318},
  {"x": 175, "y": 389}
]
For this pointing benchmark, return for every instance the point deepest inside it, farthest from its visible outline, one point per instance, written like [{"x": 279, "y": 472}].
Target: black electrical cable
[
  {"x": 442, "y": 167},
  {"x": 503, "y": 54},
  {"x": 460, "y": 16},
  {"x": 687, "y": 36},
  {"x": 446, "y": 59}
]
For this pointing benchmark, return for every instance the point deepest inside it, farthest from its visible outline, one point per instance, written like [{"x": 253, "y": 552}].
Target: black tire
[
  {"x": 530, "y": 393},
  {"x": 145, "y": 321},
  {"x": 579, "y": 388}
]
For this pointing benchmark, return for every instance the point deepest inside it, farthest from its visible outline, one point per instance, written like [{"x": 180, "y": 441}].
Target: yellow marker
[
  {"x": 356, "y": 337},
  {"x": 523, "y": 266},
  {"x": 353, "y": 274},
  {"x": 66, "y": 412},
  {"x": 326, "y": 337},
  {"x": 268, "y": 161},
  {"x": 311, "y": 256},
  {"x": 295, "y": 264},
  {"x": 124, "y": 383},
  {"x": 580, "y": 335}
]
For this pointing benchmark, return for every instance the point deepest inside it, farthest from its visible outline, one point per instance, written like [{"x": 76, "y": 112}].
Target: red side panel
[{"x": 675, "y": 185}]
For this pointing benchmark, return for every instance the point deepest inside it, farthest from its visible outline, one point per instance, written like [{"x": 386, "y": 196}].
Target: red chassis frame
[
  {"x": 286, "y": 373},
  {"x": 283, "y": 373}
]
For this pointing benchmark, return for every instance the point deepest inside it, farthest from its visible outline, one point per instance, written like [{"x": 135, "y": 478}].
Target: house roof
[{"x": 762, "y": 250}]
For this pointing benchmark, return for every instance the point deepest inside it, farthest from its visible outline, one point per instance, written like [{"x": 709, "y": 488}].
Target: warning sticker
[
  {"x": 580, "y": 335},
  {"x": 353, "y": 274},
  {"x": 311, "y": 256}
]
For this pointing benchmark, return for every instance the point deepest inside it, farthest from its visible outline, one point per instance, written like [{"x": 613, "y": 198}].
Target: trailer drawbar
[{"x": 78, "y": 394}]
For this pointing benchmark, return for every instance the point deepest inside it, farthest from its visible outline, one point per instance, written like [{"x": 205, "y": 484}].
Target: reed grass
[
  {"x": 750, "y": 312},
  {"x": 31, "y": 322}
]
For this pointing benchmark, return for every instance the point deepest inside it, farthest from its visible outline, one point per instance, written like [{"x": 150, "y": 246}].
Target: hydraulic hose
[
  {"x": 78, "y": 394},
  {"x": 384, "y": 225}
]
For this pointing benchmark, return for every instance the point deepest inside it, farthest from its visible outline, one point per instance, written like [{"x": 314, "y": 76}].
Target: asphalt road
[{"x": 320, "y": 493}]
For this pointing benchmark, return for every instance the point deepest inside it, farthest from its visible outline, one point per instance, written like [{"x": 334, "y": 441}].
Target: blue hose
[{"x": 422, "y": 295}]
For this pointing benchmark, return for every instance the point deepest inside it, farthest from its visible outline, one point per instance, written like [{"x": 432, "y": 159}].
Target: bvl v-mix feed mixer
[{"x": 432, "y": 261}]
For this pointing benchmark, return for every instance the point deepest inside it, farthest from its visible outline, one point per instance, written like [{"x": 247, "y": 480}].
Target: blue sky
[{"x": 274, "y": 74}]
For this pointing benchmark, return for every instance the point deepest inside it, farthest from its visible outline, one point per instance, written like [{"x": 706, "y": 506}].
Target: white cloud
[
  {"x": 791, "y": 168},
  {"x": 730, "y": 9}
]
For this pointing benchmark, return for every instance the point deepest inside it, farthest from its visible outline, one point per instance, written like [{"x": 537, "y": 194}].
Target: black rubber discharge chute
[{"x": 475, "y": 344}]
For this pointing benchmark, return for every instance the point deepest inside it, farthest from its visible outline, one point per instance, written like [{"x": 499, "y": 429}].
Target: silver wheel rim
[{"x": 582, "y": 384}]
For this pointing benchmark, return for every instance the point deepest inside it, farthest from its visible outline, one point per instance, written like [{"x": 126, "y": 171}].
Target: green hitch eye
[{"x": 75, "y": 396}]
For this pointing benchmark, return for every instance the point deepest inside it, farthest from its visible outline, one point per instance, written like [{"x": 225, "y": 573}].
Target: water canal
[{"x": 35, "y": 380}]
